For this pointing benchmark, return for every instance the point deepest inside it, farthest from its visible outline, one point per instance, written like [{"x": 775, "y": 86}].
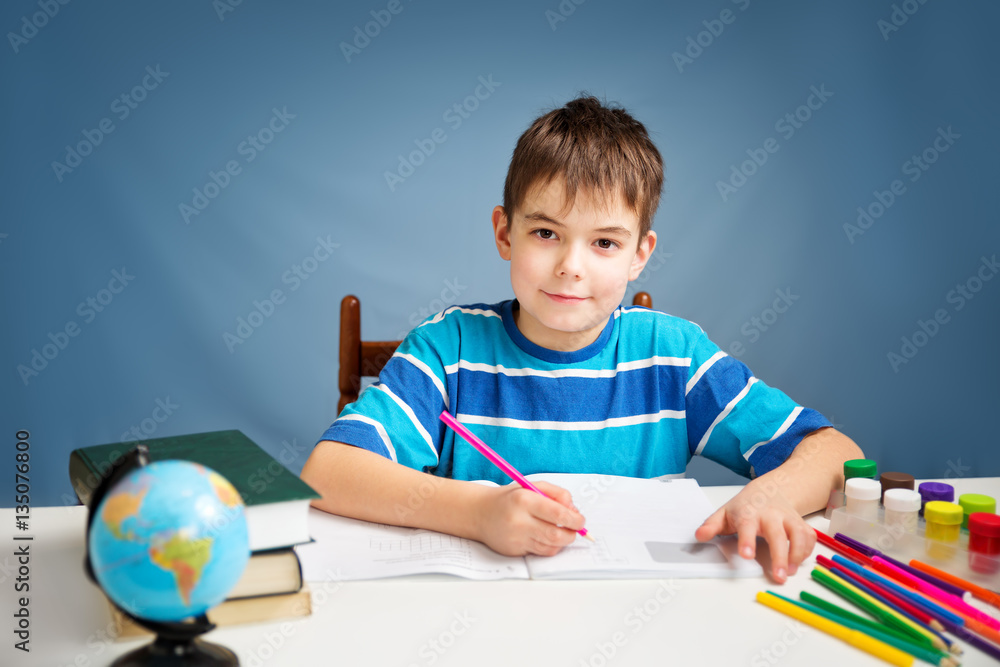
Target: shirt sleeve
[
  {"x": 397, "y": 417},
  {"x": 737, "y": 420}
]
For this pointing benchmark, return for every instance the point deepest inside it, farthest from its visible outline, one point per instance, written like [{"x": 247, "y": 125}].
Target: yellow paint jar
[{"x": 944, "y": 525}]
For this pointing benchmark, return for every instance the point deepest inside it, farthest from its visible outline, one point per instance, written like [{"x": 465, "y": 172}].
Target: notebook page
[
  {"x": 642, "y": 528},
  {"x": 347, "y": 549}
]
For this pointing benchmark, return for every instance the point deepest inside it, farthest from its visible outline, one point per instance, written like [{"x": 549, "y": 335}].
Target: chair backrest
[{"x": 360, "y": 359}]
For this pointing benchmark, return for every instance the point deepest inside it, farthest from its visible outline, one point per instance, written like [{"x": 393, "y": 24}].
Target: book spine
[{"x": 83, "y": 476}]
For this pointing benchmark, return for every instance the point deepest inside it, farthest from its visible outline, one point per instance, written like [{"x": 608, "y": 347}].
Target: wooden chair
[{"x": 359, "y": 359}]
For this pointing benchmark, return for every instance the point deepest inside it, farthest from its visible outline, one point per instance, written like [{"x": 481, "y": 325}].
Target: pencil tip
[{"x": 590, "y": 537}]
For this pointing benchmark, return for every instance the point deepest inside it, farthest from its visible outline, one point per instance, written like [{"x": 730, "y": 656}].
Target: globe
[{"x": 169, "y": 540}]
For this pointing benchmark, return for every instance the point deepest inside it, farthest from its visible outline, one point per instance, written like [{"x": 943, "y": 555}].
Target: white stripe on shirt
[
  {"x": 378, "y": 427},
  {"x": 702, "y": 370},
  {"x": 722, "y": 415},
  {"x": 470, "y": 311},
  {"x": 568, "y": 372},
  {"x": 777, "y": 434},
  {"x": 426, "y": 370},
  {"x": 613, "y": 422},
  {"x": 412, "y": 416}
]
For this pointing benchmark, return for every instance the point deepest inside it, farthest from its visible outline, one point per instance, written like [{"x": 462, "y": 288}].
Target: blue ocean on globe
[{"x": 169, "y": 540}]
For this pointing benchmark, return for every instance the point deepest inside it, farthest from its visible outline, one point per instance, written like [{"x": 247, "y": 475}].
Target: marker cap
[
  {"x": 944, "y": 513},
  {"x": 860, "y": 468},
  {"x": 937, "y": 491},
  {"x": 896, "y": 480},
  {"x": 863, "y": 488},
  {"x": 901, "y": 500},
  {"x": 985, "y": 524}
]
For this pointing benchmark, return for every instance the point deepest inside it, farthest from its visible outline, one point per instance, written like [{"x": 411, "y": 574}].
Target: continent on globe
[
  {"x": 185, "y": 559},
  {"x": 120, "y": 507}
]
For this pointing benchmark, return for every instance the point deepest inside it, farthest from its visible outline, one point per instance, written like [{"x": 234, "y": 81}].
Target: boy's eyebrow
[{"x": 612, "y": 229}]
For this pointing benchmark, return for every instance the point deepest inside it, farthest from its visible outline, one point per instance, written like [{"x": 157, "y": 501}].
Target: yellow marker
[{"x": 855, "y": 638}]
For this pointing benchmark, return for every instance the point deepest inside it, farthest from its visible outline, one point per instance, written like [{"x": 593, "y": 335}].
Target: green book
[{"x": 277, "y": 501}]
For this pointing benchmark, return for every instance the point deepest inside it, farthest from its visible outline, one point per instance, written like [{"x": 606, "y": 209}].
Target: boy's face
[{"x": 569, "y": 267}]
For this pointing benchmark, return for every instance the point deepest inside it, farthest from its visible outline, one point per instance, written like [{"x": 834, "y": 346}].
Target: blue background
[{"x": 425, "y": 242}]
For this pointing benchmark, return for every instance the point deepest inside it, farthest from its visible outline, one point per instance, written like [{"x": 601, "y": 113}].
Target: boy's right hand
[{"x": 515, "y": 521}]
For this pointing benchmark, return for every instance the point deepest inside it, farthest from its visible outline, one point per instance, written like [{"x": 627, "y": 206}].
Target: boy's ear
[
  {"x": 642, "y": 255},
  {"x": 501, "y": 232}
]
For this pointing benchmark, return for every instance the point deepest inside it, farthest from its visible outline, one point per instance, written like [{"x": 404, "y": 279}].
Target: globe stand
[{"x": 176, "y": 644}]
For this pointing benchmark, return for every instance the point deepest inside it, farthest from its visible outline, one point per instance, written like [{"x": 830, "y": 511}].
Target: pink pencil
[
  {"x": 934, "y": 592},
  {"x": 496, "y": 459}
]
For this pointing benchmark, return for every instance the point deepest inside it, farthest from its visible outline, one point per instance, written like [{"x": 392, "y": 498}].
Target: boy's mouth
[{"x": 564, "y": 298}]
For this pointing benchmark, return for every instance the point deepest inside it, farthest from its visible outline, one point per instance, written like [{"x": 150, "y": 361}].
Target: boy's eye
[
  {"x": 544, "y": 233},
  {"x": 606, "y": 244}
]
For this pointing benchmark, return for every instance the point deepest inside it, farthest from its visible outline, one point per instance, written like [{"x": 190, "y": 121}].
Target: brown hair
[{"x": 602, "y": 150}]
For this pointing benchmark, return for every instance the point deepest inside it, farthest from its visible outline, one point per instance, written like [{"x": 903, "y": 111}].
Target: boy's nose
[{"x": 571, "y": 263}]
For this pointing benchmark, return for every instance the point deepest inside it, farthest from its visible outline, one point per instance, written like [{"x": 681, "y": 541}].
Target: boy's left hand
[{"x": 789, "y": 537}]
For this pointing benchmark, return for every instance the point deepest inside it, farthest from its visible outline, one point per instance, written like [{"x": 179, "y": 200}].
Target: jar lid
[
  {"x": 896, "y": 480},
  {"x": 901, "y": 500},
  {"x": 939, "y": 511},
  {"x": 984, "y": 523},
  {"x": 863, "y": 488},
  {"x": 937, "y": 491},
  {"x": 859, "y": 468},
  {"x": 977, "y": 502}
]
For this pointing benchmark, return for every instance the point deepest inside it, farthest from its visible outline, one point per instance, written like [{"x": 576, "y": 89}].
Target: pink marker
[
  {"x": 934, "y": 592},
  {"x": 496, "y": 459}
]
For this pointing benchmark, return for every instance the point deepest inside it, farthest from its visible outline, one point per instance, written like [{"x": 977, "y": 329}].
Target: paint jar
[
  {"x": 895, "y": 480},
  {"x": 944, "y": 525},
  {"x": 976, "y": 502},
  {"x": 859, "y": 468},
  {"x": 862, "y": 497},
  {"x": 984, "y": 542},
  {"x": 902, "y": 509},
  {"x": 935, "y": 491}
]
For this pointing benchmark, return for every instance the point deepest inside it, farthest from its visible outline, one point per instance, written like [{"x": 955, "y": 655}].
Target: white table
[{"x": 447, "y": 621}]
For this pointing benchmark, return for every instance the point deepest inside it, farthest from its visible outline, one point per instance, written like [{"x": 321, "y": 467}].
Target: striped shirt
[{"x": 639, "y": 401}]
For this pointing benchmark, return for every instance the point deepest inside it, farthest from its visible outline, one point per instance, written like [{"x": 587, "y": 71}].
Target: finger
[
  {"x": 553, "y": 512},
  {"x": 773, "y": 530},
  {"x": 713, "y": 525},
  {"x": 746, "y": 536},
  {"x": 802, "y": 539},
  {"x": 557, "y": 493}
]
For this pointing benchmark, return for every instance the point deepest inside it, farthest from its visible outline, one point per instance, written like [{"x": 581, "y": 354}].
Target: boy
[{"x": 562, "y": 379}]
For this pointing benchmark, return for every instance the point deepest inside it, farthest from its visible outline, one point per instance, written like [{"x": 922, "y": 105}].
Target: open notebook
[{"x": 644, "y": 528}]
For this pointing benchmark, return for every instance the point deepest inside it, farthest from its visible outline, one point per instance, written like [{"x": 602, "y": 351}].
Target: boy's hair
[{"x": 602, "y": 150}]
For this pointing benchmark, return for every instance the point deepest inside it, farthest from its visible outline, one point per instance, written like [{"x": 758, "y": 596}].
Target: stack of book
[{"x": 277, "y": 510}]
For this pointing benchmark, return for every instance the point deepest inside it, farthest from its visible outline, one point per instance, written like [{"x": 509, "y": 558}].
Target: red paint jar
[{"x": 984, "y": 542}]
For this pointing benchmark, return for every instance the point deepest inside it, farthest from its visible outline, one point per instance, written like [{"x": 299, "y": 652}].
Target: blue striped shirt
[{"x": 639, "y": 401}]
